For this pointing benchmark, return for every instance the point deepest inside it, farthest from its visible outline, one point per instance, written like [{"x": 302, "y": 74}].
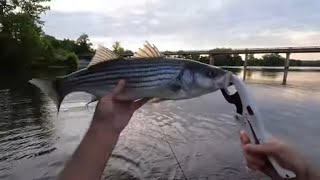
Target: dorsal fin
[
  {"x": 102, "y": 54},
  {"x": 148, "y": 51}
]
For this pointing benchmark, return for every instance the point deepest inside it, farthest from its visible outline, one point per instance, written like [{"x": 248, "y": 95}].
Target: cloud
[{"x": 187, "y": 24}]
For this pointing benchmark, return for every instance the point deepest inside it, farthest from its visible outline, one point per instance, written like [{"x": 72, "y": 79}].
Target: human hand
[
  {"x": 256, "y": 157},
  {"x": 113, "y": 114}
]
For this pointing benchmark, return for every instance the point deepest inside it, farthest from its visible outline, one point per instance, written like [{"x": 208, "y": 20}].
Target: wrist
[
  {"x": 103, "y": 130},
  {"x": 104, "y": 124},
  {"x": 311, "y": 174},
  {"x": 304, "y": 173}
]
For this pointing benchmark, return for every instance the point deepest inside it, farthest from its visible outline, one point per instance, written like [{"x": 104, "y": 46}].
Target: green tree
[
  {"x": 252, "y": 61},
  {"x": 21, "y": 33},
  {"x": 69, "y": 45},
  {"x": 221, "y": 59},
  {"x": 33, "y": 8},
  {"x": 204, "y": 59},
  {"x": 83, "y": 45},
  {"x": 71, "y": 60},
  {"x": 237, "y": 60},
  {"x": 195, "y": 57},
  {"x": 117, "y": 48},
  {"x": 273, "y": 59},
  {"x": 251, "y": 57}
]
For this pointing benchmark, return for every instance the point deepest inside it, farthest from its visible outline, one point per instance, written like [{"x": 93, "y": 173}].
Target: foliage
[
  {"x": 251, "y": 57},
  {"x": 18, "y": 32},
  {"x": 23, "y": 44},
  {"x": 192, "y": 56},
  {"x": 21, "y": 33},
  {"x": 71, "y": 60},
  {"x": 204, "y": 59},
  {"x": 308, "y": 63},
  {"x": 83, "y": 45},
  {"x": 252, "y": 61},
  {"x": 228, "y": 60},
  {"x": 118, "y": 49},
  {"x": 272, "y": 59},
  {"x": 32, "y": 8}
]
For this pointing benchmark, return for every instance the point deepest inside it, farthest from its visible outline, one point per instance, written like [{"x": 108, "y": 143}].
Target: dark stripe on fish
[
  {"x": 125, "y": 72},
  {"x": 129, "y": 66},
  {"x": 130, "y": 83},
  {"x": 136, "y": 78}
]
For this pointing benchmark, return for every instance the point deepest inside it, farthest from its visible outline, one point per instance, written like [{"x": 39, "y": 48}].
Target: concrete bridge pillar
[
  {"x": 211, "y": 59},
  {"x": 245, "y": 66},
  {"x": 286, "y": 69}
]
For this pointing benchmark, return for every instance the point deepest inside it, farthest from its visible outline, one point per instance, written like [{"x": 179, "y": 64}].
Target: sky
[{"x": 189, "y": 24}]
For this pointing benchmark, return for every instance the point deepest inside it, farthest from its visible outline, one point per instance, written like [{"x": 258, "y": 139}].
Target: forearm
[
  {"x": 306, "y": 172},
  {"x": 90, "y": 158},
  {"x": 312, "y": 174}
]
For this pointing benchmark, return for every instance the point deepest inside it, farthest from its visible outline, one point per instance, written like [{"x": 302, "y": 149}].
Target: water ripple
[{"x": 35, "y": 142}]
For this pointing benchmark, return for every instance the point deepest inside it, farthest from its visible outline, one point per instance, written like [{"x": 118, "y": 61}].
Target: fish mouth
[{"x": 226, "y": 80}]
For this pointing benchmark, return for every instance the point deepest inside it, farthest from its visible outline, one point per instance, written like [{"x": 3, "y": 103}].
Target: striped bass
[{"x": 148, "y": 74}]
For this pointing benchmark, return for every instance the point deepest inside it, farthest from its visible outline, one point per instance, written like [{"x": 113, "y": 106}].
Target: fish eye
[{"x": 211, "y": 74}]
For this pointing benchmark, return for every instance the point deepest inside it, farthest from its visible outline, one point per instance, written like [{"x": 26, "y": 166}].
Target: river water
[{"x": 201, "y": 133}]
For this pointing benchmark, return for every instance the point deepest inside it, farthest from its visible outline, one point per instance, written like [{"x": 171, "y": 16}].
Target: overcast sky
[{"x": 189, "y": 24}]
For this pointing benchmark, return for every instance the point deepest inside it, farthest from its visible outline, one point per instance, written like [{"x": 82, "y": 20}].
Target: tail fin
[{"x": 50, "y": 88}]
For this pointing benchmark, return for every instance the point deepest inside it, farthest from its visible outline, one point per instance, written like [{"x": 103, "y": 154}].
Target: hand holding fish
[
  {"x": 110, "y": 118},
  {"x": 113, "y": 114},
  {"x": 148, "y": 74},
  {"x": 256, "y": 158}
]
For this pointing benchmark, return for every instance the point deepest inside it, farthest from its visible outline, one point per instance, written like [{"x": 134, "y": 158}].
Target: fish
[{"x": 148, "y": 74}]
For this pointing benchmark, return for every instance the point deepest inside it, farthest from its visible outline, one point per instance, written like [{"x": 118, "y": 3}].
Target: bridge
[
  {"x": 245, "y": 51},
  {"x": 308, "y": 49}
]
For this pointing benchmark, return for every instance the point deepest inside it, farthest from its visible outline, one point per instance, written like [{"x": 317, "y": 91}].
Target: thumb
[
  {"x": 244, "y": 138},
  {"x": 118, "y": 89}
]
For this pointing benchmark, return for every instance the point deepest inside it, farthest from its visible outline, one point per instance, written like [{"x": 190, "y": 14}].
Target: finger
[
  {"x": 139, "y": 103},
  {"x": 265, "y": 149},
  {"x": 119, "y": 88},
  {"x": 252, "y": 167},
  {"x": 255, "y": 160},
  {"x": 244, "y": 138},
  {"x": 270, "y": 171}
]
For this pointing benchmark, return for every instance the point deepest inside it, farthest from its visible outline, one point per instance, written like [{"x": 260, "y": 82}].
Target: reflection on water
[
  {"x": 296, "y": 77},
  {"x": 201, "y": 134},
  {"x": 25, "y": 130}
]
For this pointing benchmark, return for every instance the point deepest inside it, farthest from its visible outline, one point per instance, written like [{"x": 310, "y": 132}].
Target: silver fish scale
[{"x": 138, "y": 73}]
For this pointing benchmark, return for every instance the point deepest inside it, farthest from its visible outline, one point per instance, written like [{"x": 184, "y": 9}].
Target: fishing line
[
  {"x": 146, "y": 29},
  {"x": 174, "y": 155},
  {"x": 171, "y": 149}
]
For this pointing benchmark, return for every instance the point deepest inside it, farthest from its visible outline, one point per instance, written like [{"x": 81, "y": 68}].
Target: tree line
[
  {"x": 272, "y": 59},
  {"x": 24, "y": 45}
]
